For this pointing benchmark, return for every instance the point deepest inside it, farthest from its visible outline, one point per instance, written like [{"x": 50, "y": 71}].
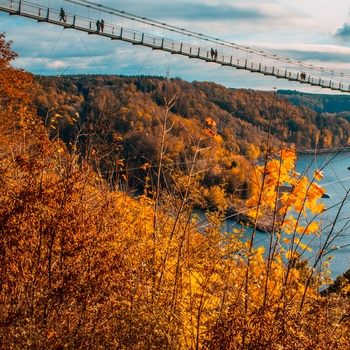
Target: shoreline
[
  {"x": 323, "y": 150},
  {"x": 236, "y": 212}
]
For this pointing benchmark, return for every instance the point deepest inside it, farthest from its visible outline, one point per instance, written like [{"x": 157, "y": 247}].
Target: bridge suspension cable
[{"x": 86, "y": 16}]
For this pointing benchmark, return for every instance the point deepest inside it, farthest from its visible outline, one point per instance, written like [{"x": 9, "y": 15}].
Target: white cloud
[{"x": 303, "y": 30}]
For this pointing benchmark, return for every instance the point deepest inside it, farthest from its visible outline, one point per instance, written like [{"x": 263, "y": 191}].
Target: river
[{"x": 337, "y": 182}]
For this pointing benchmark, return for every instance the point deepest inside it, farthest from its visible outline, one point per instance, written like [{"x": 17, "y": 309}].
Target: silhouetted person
[
  {"x": 212, "y": 53},
  {"x": 98, "y": 25},
  {"x": 102, "y": 25},
  {"x": 62, "y": 15},
  {"x": 216, "y": 54}
]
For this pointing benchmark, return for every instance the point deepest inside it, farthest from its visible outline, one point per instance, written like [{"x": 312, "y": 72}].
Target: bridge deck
[{"x": 136, "y": 37}]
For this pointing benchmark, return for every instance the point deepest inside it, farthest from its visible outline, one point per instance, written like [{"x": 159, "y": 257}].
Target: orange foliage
[{"x": 83, "y": 266}]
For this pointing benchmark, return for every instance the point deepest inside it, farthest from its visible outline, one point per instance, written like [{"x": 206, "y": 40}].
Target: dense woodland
[
  {"x": 322, "y": 103},
  {"x": 99, "y": 244},
  {"x": 242, "y": 116},
  {"x": 116, "y": 121}
]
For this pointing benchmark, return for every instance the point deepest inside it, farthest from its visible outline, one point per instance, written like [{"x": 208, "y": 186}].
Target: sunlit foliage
[{"x": 84, "y": 265}]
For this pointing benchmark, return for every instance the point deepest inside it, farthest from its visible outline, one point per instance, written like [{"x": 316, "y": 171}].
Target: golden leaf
[
  {"x": 144, "y": 166},
  {"x": 210, "y": 122},
  {"x": 318, "y": 174},
  {"x": 209, "y": 132}
]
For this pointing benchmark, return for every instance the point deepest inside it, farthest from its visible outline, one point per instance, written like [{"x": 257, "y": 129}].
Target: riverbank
[
  {"x": 323, "y": 150},
  {"x": 238, "y": 212}
]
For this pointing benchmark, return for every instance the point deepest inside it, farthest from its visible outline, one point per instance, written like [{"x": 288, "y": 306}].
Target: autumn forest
[{"x": 101, "y": 243}]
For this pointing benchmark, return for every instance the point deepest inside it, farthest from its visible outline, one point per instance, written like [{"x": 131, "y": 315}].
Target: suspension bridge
[{"x": 83, "y": 15}]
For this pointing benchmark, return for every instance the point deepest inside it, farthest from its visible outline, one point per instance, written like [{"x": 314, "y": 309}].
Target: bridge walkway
[{"x": 174, "y": 46}]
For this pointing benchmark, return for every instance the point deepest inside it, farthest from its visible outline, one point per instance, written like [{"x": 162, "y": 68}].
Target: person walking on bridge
[
  {"x": 212, "y": 53},
  {"x": 63, "y": 15}
]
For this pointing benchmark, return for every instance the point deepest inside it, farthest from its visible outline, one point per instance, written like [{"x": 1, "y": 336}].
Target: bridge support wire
[{"x": 83, "y": 15}]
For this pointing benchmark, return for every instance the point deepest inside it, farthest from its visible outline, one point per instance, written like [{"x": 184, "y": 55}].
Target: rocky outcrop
[{"x": 238, "y": 211}]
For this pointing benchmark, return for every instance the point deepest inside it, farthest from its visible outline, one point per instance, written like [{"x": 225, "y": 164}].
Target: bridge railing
[
  {"x": 192, "y": 50},
  {"x": 81, "y": 22},
  {"x": 171, "y": 46}
]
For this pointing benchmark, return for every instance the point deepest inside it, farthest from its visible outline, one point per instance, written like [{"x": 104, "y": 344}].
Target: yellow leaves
[
  {"x": 286, "y": 241},
  {"x": 318, "y": 208},
  {"x": 252, "y": 202},
  {"x": 183, "y": 279},
  {"x": 255, "y": 295},
  {"x": 291, "y": 254},
  {"x": 295, "y": 245},
  {"x": 291, "y": 225},
  {"x": 314, "y": 193},
  {"x": 305, "y": 247},
  {"x": 253, "y": 151},
  {"x": 292, "y": 197},
  {"x": 318, "y": 175},
  {"x": 255, "y": 213},
  {"x": 312, "y": 227},
  {"x": 260, "y": 251},
  {"x": 210, "y": 122},
  {"x": 209, "y": 132},
  {"x": 278, "y": 178},
  {"x": 117, "y": 137},
  {"x": 288, "y": 156},
  {"x": 216, "y": 197},
  {"x": 145, "y": 166},
  {"x": 345, "y": 286},
  {"x": 146, "y": 200}
]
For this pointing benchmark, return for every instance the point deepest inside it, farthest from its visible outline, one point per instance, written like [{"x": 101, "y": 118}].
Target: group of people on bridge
[
  {"x": 100, "y": 25},
  {"x": 214, "y": 53},
  {"x": 303, "y": 75}
]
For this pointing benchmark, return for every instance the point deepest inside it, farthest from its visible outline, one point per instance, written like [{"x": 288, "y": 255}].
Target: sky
[{"x": 312, "y": 31}]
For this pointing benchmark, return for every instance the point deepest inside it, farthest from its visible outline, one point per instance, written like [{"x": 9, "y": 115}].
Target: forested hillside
[
  {"x": 321, "y": 103},
  {"x": 117, "y": 123},
  {"x": 242, "y": 116},
  {"x": 86, "y": 265}
]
